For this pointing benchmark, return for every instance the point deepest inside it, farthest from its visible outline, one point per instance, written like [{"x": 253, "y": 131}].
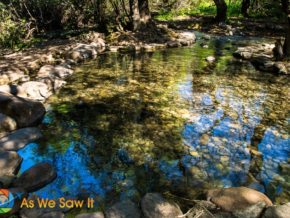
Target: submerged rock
[
  {"x": 9, "y": 163},
  {"x": 25, "y": 112},
  {"x": 123, "y": 209},
  {"x": 36, "y": 177},
  {"x": 18, "y": 139},
  {"x": 281, "y": 211},
  {"x": 239, "y": 198},
  {"x": 155, "y": 206}
]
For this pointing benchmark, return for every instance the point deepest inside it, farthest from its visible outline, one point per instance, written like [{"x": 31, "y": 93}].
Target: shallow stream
[{"x": 167, "y": 121}]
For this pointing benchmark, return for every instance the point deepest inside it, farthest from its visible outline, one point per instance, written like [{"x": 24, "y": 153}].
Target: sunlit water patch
[{"x": 127, "y": 124}]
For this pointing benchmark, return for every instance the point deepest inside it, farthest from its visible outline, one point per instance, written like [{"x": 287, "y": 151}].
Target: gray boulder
[
  {"x": 281, "y": 211},
  {"x": 36, "y": 90},
  {"x": 9, "y": 163},
  {"x": 25, "y": 112},
  {"x": 123, "y": 209},
  {"x": 253, "y": 211},
  {"x": 18, "y": 139},
  {"x": 155, "y": 206}
]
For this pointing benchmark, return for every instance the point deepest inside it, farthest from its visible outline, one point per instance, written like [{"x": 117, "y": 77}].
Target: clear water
[{"x": 167, "y": 121}]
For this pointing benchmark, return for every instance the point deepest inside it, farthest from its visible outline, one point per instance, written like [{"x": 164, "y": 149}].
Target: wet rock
[
  {"x": 281, "y": 211},
  {"x": 91, "y": 215},
  {"x": 36, "y": 177},
  {"x": 59, "y": 71},
  {"x": 155, "y": 206},
  {"x": 123, "y": 209},
  {"x": 7, "y": 124},
  {"x": 239, "y": 198},
  {"x": 25, "y": 112},
  {"x": 36, "y": 90},
  {"x": 210, "y": 59},
  {"x": 19, "y": 138},
  {"x": 13, "y": 90},
  {"x": 9, "y": 163},
  {"x": 253, "y": 211}
]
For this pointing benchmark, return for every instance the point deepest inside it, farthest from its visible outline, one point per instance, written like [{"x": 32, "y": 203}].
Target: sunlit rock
[
  {"x": 36, "y": 90},
  {"x": 233, "y": 199}
]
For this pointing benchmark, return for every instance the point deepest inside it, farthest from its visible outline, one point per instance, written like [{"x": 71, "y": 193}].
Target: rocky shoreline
[{"x": 27, "y": 80}]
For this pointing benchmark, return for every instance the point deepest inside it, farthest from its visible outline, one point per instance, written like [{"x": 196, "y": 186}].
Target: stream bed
[{"x": 166, "y": 121}]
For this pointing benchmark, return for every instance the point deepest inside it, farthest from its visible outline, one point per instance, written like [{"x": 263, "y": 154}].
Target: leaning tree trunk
[
  {"x": 221, "y": 8},
  {"x": 245, "y": 7}
]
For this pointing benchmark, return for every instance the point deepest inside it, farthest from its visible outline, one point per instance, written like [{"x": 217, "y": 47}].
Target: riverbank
[{"x": 52, "y": 77}]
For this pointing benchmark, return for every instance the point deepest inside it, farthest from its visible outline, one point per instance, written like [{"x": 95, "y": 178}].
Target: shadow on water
[{"x": 128, "y": 124}]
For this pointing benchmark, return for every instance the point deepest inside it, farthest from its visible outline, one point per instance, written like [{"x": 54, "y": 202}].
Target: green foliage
[
  {"x": 11, "y": 32},
  {"x": 258, "y": 9}
]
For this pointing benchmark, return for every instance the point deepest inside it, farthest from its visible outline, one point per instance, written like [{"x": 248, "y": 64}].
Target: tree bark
[
  {"x": 245, "y": 7},
  {"x": 221, "y": 7},
  {"x": 134, "y": 5},
  {"x": 144, "y": 11},
  {"x": 286, "y": 48}
]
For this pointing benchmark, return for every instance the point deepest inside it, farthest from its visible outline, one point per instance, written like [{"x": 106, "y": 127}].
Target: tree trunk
[
  {"x": 286, "y": 47},
  {"x": 144, "y": 11},
  {"x": 221, "y": 8},
  {"x": 245, "y": 7},
  {"x": 134, "y": 8}
]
